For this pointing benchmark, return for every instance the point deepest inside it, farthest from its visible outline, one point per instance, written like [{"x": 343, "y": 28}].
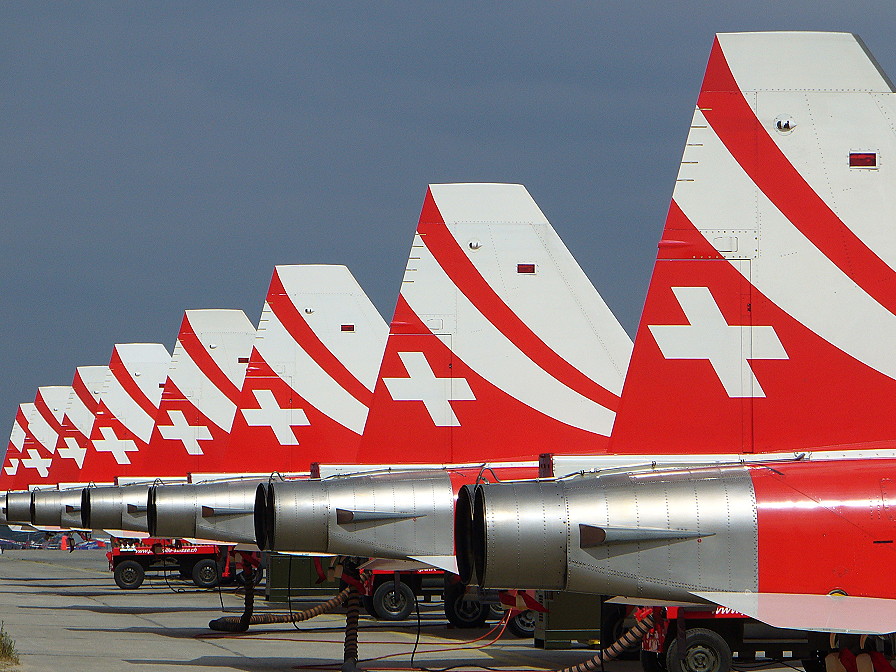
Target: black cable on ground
[
  {"x": 627, "y": 641},
  {"x": 234, "y": 623},
  {"x": 419, "y": 628},
  {"x": 350, "y": 656}
]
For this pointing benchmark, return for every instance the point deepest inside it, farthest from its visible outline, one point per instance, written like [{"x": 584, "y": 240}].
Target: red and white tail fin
[
  {"x": 13, "y": 476},
  {"x": 311, "y": 373},
  {"x": 770, "y": 321},
  {"x": 500, "y": 347},
  {"x": 77, "y": 425},
  {"x": 44, "y": 428},
  {"x": 200, "y": 395},
  {"x": 127, "y": 409}
]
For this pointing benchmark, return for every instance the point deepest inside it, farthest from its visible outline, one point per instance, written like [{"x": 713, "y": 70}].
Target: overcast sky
[{"x": 164, "y": 156}]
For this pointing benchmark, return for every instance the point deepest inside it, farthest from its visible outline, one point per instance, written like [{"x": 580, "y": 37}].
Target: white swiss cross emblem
[
  {"x": 72, "y": 451},
  {"x": 280, "y": 420},
  {"x": 183, "y": 431},
  {"x": 727, "y": 347},
  {"x": 435, "y": 393},
  {"x": 110, "y": 443},
  {"x": 38, "y": 463}
]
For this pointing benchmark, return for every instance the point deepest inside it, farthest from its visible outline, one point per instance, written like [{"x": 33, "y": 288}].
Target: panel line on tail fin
[
  {"x": 749, "y": 142},
  {"x": 123, "y": 377},
  {"x": 207, "y": 365},
  {"x": 444, "y": 248},
  {"x": 302, "y": 332}
]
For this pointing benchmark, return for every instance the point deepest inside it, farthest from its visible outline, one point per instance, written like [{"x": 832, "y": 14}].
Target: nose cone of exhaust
[
  {"x": 218, "y": 511},
  {"x": 115, "y": 508}
]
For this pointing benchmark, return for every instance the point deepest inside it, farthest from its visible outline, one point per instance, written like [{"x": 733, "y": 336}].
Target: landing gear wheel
[
  {"x": 392, "y": 605},
  {"x": 705, "y": 651},
  {"x": 205, "y": 573},
  {"x": 651, "y": 661},
  {"x": 367, "y": 603},
  {"x": 523, "y": 624},
  {"x": 129, "y": 574},
  {"x": 462, "y": 613}
]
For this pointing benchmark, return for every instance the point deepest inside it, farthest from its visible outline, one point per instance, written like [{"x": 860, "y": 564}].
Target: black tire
[
  {"x": 367, "y": 603},
  {"x": 651, "y": 661},
  {"x": 129, "y": 574},
  {"x": 705, "y": 651},
  {"x": 392, "y": 605},
  {"x": 523, "y": 624},
  {"x": 463, "y": 613},
  {"x": 205, "y": 573}
]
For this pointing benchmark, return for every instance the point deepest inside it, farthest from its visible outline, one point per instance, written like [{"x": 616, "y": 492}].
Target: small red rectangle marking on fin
[{"x": 862, "y": 160}]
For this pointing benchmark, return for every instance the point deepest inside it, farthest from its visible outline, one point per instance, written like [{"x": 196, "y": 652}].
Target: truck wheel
[
  {"x": 129, "y": 574},
  {"x": 523, "y": 624},
  {"x": 205, "y": 573},
  {"x": 705, "y": 651},
  {"x": 463, "y": 613},
  {"x": 392, "y": 605},
  {"x": 651, "y": 661}
]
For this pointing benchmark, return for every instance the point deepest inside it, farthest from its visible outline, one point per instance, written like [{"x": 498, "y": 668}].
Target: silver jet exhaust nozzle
[
  {"x": 260, "y": 518},
  {"x": 463, "y": 536},
  {"x": 396, "y": 515},
  {"x": 115, "y": 508},
  {"x": 517, "y": 536},
  {"x": 661, "y": 534},
  {"x": 293, "y": 516},
  {"x": 3, "y": 519},
  {"x": 222, "y": 511},
  {"x": 58, "y": 508},
  {"x": 18, "y": 507}
]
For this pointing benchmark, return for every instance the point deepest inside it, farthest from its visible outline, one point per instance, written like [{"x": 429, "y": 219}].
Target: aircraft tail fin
[
  {"x": 770, "y": 320},
  {"x": 500, "y": 347},
  {"x": 311, "y": 373}
]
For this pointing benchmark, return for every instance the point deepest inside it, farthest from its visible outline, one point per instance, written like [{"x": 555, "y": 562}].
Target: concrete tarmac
[{"x": 66, "y": 614}]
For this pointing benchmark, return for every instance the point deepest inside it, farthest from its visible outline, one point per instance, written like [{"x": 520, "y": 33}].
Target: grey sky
[{"x": 164, "y": 156}]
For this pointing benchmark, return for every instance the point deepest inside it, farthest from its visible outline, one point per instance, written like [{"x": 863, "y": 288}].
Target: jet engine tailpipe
[
  {"x": 18, "y": 507},
  {"x": 516, "y": 535},
  {"x": 222, "y": 511}
]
